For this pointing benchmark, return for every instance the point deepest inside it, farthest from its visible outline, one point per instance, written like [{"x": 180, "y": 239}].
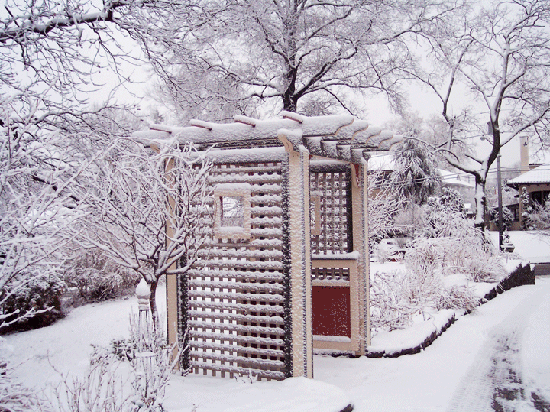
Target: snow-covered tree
[
  {"x": 39, "y": 166},
  {"x": 285, "y": 51},
  {"x": 383, "y": 206},
  {"x": 147, "y": 210},
  {"x": 415, "y": 175},
  {"x": 501, "y": 52}
]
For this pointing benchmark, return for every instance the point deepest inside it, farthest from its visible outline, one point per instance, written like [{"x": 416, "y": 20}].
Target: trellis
[
  {"x": 246, "y": 305},
  {"x": 236, "y": 290}
]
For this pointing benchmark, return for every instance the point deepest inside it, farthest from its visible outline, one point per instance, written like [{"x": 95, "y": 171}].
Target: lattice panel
[
  {"x": 333, "y": 188},
  {"x": 235, "y": 291},
  {"x": 330, "y": 274}
]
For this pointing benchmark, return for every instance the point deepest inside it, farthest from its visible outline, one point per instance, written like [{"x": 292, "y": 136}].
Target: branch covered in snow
[{"x": 148, "y": 211}]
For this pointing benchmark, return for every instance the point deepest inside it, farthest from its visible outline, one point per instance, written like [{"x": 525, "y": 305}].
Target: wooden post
[
  {"x": 360, "y": 284},
  {"x": 297, "y": 234},
  {"x": 171, "y": 281}
]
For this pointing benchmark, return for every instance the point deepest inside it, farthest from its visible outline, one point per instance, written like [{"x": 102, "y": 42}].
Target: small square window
[{"x": 233, "y": 212}]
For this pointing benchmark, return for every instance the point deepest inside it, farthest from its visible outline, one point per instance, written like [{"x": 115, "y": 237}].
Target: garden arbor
[{"x": 286, "y": 269}]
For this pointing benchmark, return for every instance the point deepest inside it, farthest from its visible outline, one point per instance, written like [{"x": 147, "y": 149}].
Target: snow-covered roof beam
[{"x": 337, "y": 136}]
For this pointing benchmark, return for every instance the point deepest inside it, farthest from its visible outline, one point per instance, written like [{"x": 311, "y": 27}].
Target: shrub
[
  {"x": 484, "y": 268},
  {"x": 33, "y": 303},
  {"x": 457, "y": 297},
  {"x": 131, "y": 376},
  {"x": 98, "y": 278},
  {"x": 538, "y": 217},
  {"x": 396, "y": 297},
  {"x": 14, "y": 397}
]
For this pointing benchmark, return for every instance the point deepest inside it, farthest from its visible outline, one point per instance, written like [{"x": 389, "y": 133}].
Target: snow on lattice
[{"x": 236, "y": 290}]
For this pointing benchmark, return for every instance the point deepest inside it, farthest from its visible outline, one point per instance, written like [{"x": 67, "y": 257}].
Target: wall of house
[{"x": 530, "y": 189}]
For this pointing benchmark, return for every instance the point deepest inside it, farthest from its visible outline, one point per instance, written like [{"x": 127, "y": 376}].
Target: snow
[
  {"x": 539, "y": 174},
  {"x": 462, "y": 370},
  {"x": 323, "y": 338},
  {"x": 431, "y": 380},
  {"x": 531, "y": 246},
  {"x": 454, "y": 179},
  {"x": 435, "y": 378},
  {"x": 396, "y": 341},
  {"x": 216, "y": 395},
  {"x": 232, "y": 187}
]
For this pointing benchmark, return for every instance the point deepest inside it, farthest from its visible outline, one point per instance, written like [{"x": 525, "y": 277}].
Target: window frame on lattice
[{"x": 232, "y": 190}]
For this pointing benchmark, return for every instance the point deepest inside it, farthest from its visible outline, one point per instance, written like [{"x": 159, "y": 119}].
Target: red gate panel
[{"x": 331, "y": 311}]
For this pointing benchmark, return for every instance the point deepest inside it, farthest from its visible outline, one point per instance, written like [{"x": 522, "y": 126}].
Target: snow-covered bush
[
  {"x": 446, "y": 256},
  {"x": 484, "y": 268},
  {"x": 14, "y": 397},
  {"x": 425, "y": 258},
  {"x": 131, "y": 378},
  {"x": 507, "y": 217},
  {"x": 390, "y": 306},
  {"x": 460, "y": 246},
  {"x": 103, "y": 388},
  {"x": 31, "y": 303},
  {"x": 396, "y": 297},
  {"x": 97, "y": 278},
  {"x": 383, "y": 205},
  {"x": 538, "y": 217},
  {"x": 457, "y": 297}
]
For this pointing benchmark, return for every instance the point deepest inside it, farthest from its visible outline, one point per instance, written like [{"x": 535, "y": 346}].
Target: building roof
[
  {"x": 538, "y": 175},
  {"x": 454, "y": 179},
  {"x": 341, "y": 137}
]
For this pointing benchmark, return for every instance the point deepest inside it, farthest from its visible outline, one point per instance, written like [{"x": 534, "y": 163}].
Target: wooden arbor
[{"x": 287, "y": 267}]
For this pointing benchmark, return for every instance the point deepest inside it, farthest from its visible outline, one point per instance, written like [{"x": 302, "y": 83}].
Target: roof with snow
[
  {"x": 454, "y": 179},
  {"x": 538, "y": 175},
  {"x": 341, "y": 137}
]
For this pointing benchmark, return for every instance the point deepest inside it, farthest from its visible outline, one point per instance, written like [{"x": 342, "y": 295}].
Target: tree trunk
[
  {"x": 153, "y": 302},
  {"x": 481, "y": 203}
]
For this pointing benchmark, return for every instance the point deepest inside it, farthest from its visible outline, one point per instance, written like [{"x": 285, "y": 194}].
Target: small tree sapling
[{"x": 148, "y": 210}]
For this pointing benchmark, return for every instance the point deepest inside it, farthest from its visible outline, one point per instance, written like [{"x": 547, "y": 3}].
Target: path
[
  {"x": 497, "y": 358},
  {"x": 495, "y": 380}
]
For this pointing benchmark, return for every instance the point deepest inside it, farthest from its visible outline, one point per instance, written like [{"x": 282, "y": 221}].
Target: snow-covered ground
[
  {"x": 533, "y": 246},
  {"x": 457, "y": 372},
  {"x": 503, "y": 344},
  {"x": 496, "y": 357}
]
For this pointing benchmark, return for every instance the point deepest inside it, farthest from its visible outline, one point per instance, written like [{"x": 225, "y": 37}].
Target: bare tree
[
  {"x": 501, "y": 53},
  {"x": 148, "y": 211},
  {"x": 286, "y": 51}
]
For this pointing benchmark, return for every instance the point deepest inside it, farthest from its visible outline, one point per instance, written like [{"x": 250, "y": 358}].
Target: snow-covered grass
[
  {"x": 432, "y": 379},
  {"x": 436, "y": 379},
  {"x": 67, "y": 344}
]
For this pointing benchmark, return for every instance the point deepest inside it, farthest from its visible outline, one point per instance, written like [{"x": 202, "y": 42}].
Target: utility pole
[{"x": 499, "y": 188}]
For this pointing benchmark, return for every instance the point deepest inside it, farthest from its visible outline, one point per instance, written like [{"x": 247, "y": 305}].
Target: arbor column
[
  {"x": 360, "y": 284},
  {"x": 297, "y": 261}
]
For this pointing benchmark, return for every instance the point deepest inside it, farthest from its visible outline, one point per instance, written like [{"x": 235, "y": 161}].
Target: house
[
  {"x": 287, "y": 268},
  {"x": 533, "y": 187}
]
